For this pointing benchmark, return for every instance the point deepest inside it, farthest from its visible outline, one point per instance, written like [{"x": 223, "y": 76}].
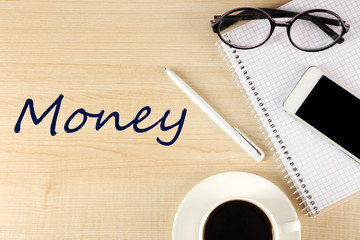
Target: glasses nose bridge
[{"x": 282, "y": 23}]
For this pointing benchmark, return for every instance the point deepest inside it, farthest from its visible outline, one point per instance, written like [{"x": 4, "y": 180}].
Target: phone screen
[{"x": 334, "y": 112}]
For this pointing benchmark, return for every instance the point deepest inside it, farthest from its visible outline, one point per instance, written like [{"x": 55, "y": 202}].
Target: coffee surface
[{"x": 237, "y": 219}]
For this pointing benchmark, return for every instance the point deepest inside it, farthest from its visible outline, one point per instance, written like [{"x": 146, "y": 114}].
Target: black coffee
[{"x": 237, "y": 219}]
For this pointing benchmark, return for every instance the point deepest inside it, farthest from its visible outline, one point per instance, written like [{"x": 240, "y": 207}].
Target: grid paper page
[{"x": 323, "y": 175}]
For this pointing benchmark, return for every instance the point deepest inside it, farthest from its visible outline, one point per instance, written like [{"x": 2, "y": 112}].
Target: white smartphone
[{"x": 329, "y": 109}]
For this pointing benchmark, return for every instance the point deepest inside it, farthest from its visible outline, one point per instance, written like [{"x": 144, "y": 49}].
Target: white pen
[{"x": 245, "y": 143}]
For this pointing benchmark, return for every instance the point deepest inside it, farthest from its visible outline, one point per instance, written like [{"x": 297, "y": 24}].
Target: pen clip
[{"x": 260, "y": 153}]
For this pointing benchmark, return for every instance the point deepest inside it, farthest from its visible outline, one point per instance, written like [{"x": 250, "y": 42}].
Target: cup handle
[{"x": 291, "y": 226}]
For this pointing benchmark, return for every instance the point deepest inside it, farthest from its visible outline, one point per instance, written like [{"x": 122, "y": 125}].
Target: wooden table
[{"x": 109, "y": 184}]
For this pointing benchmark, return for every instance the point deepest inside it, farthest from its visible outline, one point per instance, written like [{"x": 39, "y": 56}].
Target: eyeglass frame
[{"x": 215, "y": 24}]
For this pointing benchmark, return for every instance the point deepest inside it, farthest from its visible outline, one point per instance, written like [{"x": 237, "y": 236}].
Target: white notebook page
[{"x": 275, "y": 68}]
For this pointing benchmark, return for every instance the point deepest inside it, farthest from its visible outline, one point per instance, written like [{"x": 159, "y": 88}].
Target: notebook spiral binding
[{"x": 289, "y": 166}]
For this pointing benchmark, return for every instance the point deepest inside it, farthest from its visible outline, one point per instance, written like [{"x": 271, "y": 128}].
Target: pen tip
[{"x": 164, "y": 68}]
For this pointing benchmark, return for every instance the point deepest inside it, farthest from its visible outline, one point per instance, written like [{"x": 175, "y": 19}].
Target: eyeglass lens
[
  {"x": 315, "y": 30},
  {"x": 256, "y": 31}
]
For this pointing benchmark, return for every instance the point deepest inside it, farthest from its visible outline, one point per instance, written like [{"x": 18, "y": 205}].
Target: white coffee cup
[{"x": 283, "y": 227}]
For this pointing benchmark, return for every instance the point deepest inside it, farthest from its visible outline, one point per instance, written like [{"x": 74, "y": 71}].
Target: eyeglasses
[{"x": 313, "y": 30}]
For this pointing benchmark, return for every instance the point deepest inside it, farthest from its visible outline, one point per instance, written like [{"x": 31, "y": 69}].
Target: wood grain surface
[{"x": 108, "y": 184}]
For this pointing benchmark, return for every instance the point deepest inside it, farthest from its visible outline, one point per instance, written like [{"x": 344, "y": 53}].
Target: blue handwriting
[{"x": 101, "y": 121}]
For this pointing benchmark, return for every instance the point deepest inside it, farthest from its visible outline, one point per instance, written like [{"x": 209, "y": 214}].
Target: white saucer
[{"x": 224, "y": 185}]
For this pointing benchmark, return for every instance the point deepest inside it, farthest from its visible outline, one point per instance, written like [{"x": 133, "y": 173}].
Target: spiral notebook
[{"x": 320, "y": 174}]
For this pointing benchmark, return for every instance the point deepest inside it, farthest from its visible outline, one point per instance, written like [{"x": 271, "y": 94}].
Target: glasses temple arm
[
  {"x": 231, "y": 19},
  {"x": 284, "y": 13},
  {"x": 245, "y": 15},
  {"x": 326, "y": 29}
]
